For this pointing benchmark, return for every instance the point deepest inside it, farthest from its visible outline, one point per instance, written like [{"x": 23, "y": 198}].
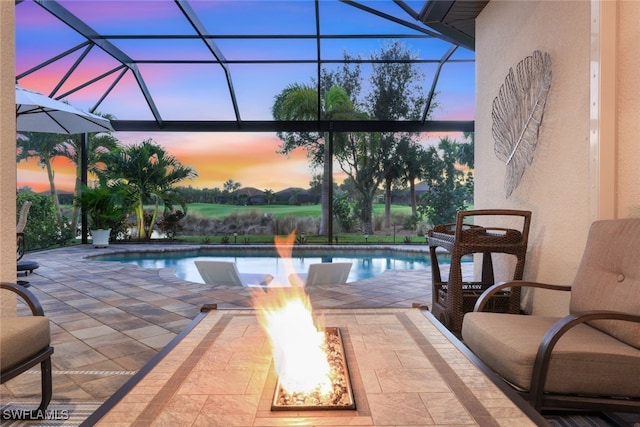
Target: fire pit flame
[
  {"x": 308, "y": 359},
  {"x": 298, "y": 353}
]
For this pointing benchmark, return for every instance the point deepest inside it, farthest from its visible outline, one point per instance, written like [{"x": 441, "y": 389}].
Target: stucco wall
[
  {"x": 628, "y": 108},
  {"x": 555, "y": 187},
  {"x": 7, "y": 153}
]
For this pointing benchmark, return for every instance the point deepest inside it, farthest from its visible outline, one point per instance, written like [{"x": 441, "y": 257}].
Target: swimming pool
[{"x": 366, "y": 263}]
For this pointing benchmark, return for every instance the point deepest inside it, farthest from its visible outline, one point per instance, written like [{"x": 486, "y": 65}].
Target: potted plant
[{"x": 102, "y": 204}]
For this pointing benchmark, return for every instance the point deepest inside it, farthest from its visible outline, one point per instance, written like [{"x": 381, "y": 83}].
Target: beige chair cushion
[
  {"x": 585, "y": 360},
  {"x": 609, "y": 276},
  {"x": 21, "y": 338}
]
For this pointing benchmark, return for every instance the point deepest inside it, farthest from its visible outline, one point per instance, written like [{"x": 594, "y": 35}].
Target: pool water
[{"x": 365, "y": 263}]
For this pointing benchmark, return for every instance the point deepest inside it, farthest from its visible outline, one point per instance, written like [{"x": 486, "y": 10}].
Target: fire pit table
[{"x": 404, "y": 367}]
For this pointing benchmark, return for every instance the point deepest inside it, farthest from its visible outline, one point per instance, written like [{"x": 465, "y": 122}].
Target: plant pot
[{"x": 100, "y": 238}]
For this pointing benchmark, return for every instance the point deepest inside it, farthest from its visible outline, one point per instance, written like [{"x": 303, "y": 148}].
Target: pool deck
[{"x": 109, "y": 319}]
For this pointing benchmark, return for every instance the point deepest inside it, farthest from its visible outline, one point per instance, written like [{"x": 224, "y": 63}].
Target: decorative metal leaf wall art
[{"x": 517, "y": 115}]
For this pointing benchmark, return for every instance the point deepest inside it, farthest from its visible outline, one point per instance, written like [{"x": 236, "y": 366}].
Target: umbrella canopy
[{"x": 36, "y": 112}]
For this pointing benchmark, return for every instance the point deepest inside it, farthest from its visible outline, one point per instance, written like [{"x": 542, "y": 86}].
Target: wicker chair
[
  {"x": 452, "y": 299},
  {"x": 587, "y": 360}
]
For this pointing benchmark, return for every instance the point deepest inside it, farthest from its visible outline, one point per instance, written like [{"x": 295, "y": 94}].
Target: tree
[
  {"x": 315, "y": 187},
  {"x": 361, "y": 157},
  {"x": 48, "y": 146},
  {"x": 395, "y": 94},
  {"x": 447, "y": 190},
  {"x": 97, "y": 143},
  {"x": 392, "y": 172},
  {"x": 149, "y": 174},
  {"x": 229, "y": 187},
  {"x": 414, "y": 161},
  {"x": 300, "y": 102},
  {"x": 348, "y": 187},
  {"x": 465, "y": 152},
  {"x": 45, "y": 147},
  {"x": 269, "y": 196}
]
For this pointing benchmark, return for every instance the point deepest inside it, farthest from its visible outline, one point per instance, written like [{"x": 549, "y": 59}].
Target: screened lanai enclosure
[{"x": 216, "y": 67}]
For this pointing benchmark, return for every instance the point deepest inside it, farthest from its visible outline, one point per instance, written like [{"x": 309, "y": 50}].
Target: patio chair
[
  {"x": 327, "y": 273},
  {"x": 25, "y": 342},
  {"x": 23, "y": 266},
  {"x": 589, "y": 359},
  {"x": 22, "y": 222},
  {"x": 225, "y": 273}
]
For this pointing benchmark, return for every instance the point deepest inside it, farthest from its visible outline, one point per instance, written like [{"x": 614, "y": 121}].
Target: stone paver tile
[
  {"x": 93, "y": 331},
  {"x": 77, "y": 324},
  {"x": 146, "y": 332},
  {"x": 135, "y": 361},
  {"x": 121, "y": 349},
  {"x": 158, "y": 341},
  {"x": 77, "y": 360},
  {"x": 108, "y": 339}
]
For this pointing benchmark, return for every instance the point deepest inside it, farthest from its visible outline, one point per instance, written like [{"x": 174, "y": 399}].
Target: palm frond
[{"x": 517, "y": 114}]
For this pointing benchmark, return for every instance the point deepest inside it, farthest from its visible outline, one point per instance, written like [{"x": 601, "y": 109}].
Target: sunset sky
[
  {"x": 215, "y": 157},
  {"x": 200, "y": 92},
  {"x": 259, "y": 165}
]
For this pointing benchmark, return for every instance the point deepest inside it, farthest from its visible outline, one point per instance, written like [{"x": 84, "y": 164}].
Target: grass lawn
[{"x": 213, "y": 210}]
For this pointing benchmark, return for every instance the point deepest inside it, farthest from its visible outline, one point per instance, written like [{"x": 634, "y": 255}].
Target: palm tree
[
  {"x": 97, "y": 144},
  {"x": 269, "y": 196},
  {"x": 230, "y": 187},
  {"x": 148, "y": 174},
  {"x": 393, "y": 170},
  {"x": 300, "y": 102},
  {"x": 414, "y": 161},
  {"x": 45, "y": 147}
]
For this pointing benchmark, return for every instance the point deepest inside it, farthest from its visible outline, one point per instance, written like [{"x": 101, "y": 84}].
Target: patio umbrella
[{"x": 36, "y": 112}]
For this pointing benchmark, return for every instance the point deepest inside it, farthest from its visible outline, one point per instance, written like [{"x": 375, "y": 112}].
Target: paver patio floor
[{"x": 109, "y": 319}]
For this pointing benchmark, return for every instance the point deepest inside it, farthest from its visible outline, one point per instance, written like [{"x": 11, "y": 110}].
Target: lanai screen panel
[{"x": 209, "y": 61}]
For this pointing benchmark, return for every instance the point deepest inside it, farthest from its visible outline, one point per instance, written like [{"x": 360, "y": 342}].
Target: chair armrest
[
  {"x": 551, "y": 338},
  {"x": 26, "y": 295},
  {"x": 484, "y": 298},
  {"x": 19, "y": 246}
]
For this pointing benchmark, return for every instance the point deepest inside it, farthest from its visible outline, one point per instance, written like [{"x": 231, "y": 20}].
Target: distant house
[
  {"x": 421, "y": 188},
  {"x": 295, "y": 196},
  {"x": 252, "y": 196},
  {"x": 402, "y": 196}
]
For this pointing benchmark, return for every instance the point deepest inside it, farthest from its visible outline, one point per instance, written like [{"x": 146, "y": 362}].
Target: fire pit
[
  {"x": 309, "y": 360},
  {"x": 340, "y": 395},
  {"x": 402, "y": 369}
]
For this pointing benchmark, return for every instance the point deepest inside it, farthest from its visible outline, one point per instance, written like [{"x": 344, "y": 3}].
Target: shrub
[
  {"x": 42, "y": 230},
  {"x": 343, "y": 213},
  {"x": 170, "y": 223},
  {"x": 411, "y": 222}
]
